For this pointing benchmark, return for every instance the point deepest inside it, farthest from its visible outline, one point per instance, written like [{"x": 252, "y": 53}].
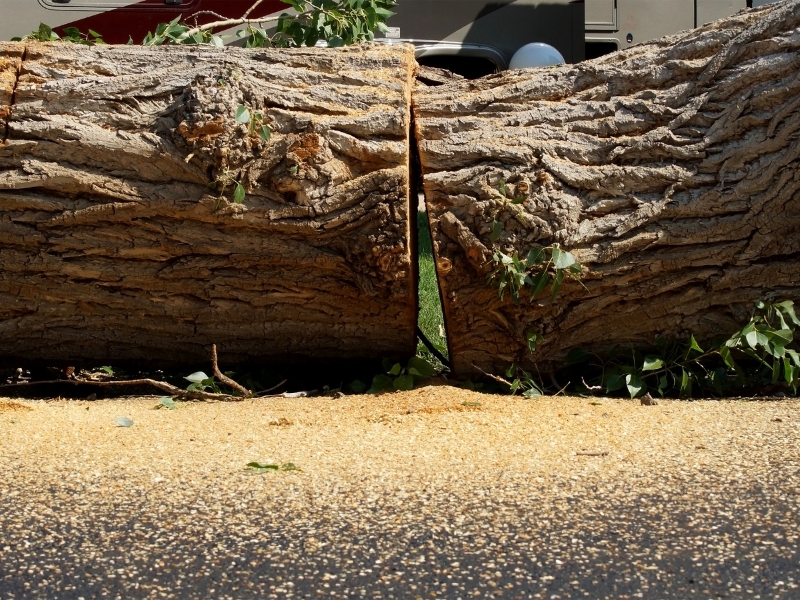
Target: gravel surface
[{"x": 433, "y": 493}]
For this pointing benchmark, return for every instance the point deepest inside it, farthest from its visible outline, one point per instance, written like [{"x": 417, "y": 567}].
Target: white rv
[{"x": 472, "y": 37}]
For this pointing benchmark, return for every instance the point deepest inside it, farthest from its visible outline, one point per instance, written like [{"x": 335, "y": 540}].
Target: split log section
[
  {"x": 115, "y": 242},
  {"x": 670, "y": 170}
]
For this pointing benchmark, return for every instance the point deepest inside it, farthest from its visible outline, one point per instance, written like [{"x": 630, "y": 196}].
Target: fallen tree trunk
[
  {"x": 124, "y": 238},
  {"x": 669, "y": 170}
]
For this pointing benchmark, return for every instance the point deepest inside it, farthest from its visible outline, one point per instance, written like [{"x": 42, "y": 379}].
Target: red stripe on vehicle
[{"x": 118, "y": 25}]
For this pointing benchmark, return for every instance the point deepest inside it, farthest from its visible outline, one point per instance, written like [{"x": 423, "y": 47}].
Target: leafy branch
[
  {"x": 71, "y": 35},
  {"x": 338, "y": 22},
  {"x": 760, "y": 353},
  {"x": 542, "y": 267},
  {"x": 397, "y": 377}
]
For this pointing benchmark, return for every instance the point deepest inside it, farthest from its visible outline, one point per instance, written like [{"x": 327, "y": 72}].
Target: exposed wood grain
[
  {"x": 669, "y": 169},
  {"x": 10, "y": 61},
  {"x": 115, "y": 244}
]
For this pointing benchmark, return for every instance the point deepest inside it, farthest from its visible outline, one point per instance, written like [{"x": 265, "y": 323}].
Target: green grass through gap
[{"x": 430, "y": 319}]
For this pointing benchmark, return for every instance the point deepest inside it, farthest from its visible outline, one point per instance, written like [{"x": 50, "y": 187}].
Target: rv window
[
  {"x": 467, "y": 66},
  {"x": 597, "y": 49},
  {"x": 97, "y": 4}
]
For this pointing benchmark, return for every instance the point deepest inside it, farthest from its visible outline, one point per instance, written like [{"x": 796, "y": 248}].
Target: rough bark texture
[
  {"x": 669, "y": 169},
  {"x": 116, "y": 244}
]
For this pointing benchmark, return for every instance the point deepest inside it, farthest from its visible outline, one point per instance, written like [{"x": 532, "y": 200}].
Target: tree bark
[
  {"x": 10, "y": 61},
  {"x": 669, "y": 169},
  {"x": 117, "y": 243}
]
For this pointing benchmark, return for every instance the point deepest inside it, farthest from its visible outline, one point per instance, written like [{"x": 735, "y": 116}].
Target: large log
[
  {"x": 116, "y": 242},
  {"x": 670, "y": 170}
]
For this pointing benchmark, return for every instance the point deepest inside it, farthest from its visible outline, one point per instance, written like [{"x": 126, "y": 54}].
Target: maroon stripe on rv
[{"x": 135, "y": 20}]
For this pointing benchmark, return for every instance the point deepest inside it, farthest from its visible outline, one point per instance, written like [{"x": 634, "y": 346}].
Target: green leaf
[
  {"x": 693, "y": 345},
  {"x": 562, "y": 259},
  {"x": 108, "y": 370},
  {"x": 787, "y": 308},
  {"x": 559, "y": 277},
  {"x": 335, "y": 41},
  {"x": 396, "y": 369},
  {"x": 615, "y": 382},
  {"x": 536, "y": 256},
  {"x": 725, "y": 353},
  {"x": 652, "y": 363},
  {"x": 263, "y": 466},
  {"x": 404, "y": 383},
  {"x": 197, "y": 377},
  {"x": 533, "y": 338},
  {"x": 381, "y": 383},
  {"x": 421, "y": 367},
  {"x": 788, "y": 370},
  {"x": 497, "y": 229},
  {"x": 45, "y": 33},
  {"x": 663, "y": 384},
  {"x": 514, "y": 387},
  {"x": 634, "y": 384},
  {"x": 532, "y": 392},
  {"x": 776, "y": 370},
  {"x": 686, "y": 383},
  {"x": 242, "y": 114},
  {"x": 358, "y": 386},
  {"x": 752, "y": 338},
  {"x": 538, "y": 283},
  {"x": 782, "y": 336},
  {"x": 124, "y": 422},
  {"x": 382, "y": 12},
  {"x": 168, "y": 402},
  {"x": 264, "y": 132},
  {"x": 238, "y": 194}
]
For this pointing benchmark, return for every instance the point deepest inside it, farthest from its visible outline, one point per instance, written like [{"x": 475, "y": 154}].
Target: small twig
[
  {"x": 224, "y": 378},
  {"x": 205, "y": 12},
  {"x": 272, "y": 389},
  {"x": 597, "y": 453},
  {"x": 304, "y": 394},
  {"x": 161, "y": 385},
  {"x": 251, "y": 9},
  {"x": 591, "y": 388},
  {"x": 561, "y": 391},
  {"x": 229, "y": 23},
  {"x": 490, "y": 376}
]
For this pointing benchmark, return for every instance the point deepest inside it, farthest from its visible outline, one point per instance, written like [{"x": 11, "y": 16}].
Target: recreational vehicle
[{"x": 472, "y": 37}]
